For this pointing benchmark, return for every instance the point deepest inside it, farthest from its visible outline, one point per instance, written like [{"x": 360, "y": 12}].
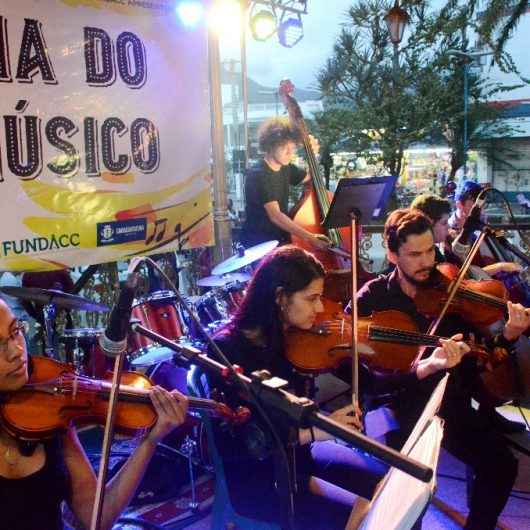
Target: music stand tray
[{"x": 364, "y": 197}]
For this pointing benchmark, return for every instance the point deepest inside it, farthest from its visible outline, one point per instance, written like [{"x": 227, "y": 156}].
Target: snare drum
[
  {"x": 211, "y": 310},
  {"x": 158, "y": 312},
  {"x": 211, "y": 307}
]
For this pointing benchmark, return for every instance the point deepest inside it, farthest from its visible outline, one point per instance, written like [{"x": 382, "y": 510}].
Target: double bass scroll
[{"x": 314, "y": 204}]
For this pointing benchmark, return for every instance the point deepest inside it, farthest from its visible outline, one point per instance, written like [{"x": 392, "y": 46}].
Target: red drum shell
[{"x": 157, "y": 312}]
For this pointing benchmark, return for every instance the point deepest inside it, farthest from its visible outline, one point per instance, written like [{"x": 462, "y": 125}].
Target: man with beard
[{"x": 467, "y": 434}]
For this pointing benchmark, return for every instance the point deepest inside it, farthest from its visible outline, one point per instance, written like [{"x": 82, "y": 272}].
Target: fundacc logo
[{"x": 39, "y": 244}]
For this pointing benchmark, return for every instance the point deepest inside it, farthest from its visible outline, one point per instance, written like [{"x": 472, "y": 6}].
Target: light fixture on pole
[
  {"x": 396, "y": 20},
  {"x": 468, "y": 58}
]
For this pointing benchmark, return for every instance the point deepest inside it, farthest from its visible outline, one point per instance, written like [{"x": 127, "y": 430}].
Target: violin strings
[
  {"x": 320, "y": 190},
  {"x": 481, "y": 297},
  {"x": 380, "y": 333}
]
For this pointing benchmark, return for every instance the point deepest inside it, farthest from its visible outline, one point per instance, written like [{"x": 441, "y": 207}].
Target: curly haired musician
[{"x": 267, "y": 188}]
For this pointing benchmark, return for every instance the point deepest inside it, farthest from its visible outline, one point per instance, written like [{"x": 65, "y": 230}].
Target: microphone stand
[
  {"x": 97, "y": 510},
  {"x": 247, "y": 389},
  {"x": 300, "y": 411}
]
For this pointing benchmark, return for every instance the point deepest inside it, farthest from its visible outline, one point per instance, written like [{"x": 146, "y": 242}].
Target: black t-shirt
[
  {"x": 263, "y": 185},
  {"x": 384, "y": 293},
  {"x": 244, "y": 353},
  {"x": 34, "y": 502}
]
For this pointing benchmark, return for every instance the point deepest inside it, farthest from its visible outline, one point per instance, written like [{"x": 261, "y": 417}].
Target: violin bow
[
  {"x": 97, "y": 510},
  {"x": 453, "y": 288}
]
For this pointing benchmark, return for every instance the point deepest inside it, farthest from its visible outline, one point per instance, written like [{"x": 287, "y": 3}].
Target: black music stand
[{"x": 357, "y": 199}]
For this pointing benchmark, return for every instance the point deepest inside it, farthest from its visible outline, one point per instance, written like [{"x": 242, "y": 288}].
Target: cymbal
[
  {"x": 52, "y": 296},
  {"x": 246, "y": 258},
  {"x": 221, "y": 281}
]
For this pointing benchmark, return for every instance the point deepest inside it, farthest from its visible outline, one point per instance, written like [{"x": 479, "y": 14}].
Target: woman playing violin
[
  {"x": 286, "y": 292},
  {"x": 35, "y": 478},
  {"x": 267, "y": 188}
]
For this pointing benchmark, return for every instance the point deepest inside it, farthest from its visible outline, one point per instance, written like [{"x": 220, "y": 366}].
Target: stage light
[
  {"x": 263, "y": 25},
  {"x": 290, "y": 31},
  {"x": 225, "y": 18},
  {"x": 190, "y": 12}
]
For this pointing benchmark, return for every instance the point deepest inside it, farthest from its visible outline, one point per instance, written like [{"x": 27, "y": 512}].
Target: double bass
[{"x": 312, "y": 208}]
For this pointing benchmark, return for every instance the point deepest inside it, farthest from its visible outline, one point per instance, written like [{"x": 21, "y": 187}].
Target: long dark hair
[{"x": 288, "y": 268}]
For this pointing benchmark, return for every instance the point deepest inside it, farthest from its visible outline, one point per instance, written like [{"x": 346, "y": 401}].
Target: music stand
[
  {"x": 357, "y": 199},
  {"x": 401, "y": 500}
]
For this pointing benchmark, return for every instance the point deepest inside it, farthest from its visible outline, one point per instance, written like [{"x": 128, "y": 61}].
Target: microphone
[
  {"x": 471, "y": 223},
  {"x": 113, "y": 341}
]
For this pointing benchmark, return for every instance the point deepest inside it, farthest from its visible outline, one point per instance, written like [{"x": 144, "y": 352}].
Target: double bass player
[{"x": 267, "y": 187}]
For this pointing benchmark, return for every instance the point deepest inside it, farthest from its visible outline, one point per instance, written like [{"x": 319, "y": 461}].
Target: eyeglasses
[{"x": 19, "y": 327}]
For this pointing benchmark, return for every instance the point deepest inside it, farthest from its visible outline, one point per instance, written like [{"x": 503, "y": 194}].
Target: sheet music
[
  {"x": 401, "y": 498},
  {"x": 430, "y": 410}
]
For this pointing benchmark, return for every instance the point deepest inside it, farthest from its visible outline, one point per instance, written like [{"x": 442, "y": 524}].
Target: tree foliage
[
  {"x": 372, "y": 104},
  {"x": 495, "y": 23}
]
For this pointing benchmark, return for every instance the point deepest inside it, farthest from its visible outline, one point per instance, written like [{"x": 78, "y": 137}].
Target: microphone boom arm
[{"x": 302, "y": 412}]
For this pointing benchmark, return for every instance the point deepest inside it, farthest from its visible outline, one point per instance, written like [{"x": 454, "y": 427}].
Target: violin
[
  {"x": 56, "y": 396},
  {"x": 388, "y": 340},
  {"x": 478, "y": 302}
]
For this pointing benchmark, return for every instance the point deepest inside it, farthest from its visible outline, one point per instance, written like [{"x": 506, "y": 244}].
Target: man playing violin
[
  {"x": 267, "y": 188},
  {"x": 35, "y": 478},
  {"x": 468, "y": 435}
]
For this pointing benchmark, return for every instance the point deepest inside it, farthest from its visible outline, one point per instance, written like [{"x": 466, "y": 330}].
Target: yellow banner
[{"x": 105, "y": 144}]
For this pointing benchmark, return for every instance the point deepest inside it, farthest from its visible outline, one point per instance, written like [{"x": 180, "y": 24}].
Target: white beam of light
[
  {"x": 225, "y": 19},
  {"x": 190, "y": 12}
]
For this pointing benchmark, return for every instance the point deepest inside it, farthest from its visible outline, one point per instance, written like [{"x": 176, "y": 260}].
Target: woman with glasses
[{"x": 35, "y": 478}]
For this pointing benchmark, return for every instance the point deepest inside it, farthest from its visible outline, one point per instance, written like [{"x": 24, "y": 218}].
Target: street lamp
[
  {"x": 396, "y": 20},
  {"x": 469, "y": 57}
]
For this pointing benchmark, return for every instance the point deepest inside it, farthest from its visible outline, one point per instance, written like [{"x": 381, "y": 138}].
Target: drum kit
[
  {"x": 161, "y": 312},
  {"x": 158, "y": 311}
]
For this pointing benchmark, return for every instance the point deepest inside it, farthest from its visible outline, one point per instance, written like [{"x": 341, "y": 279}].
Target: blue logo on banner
[{"x": 116, "y": 232}]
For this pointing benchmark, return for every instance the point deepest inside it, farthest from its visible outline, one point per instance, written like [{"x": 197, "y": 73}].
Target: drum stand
[
  {"x": 78, "y": 356},
  {"x": 50, "y": 312},
  {"x": 188, "y": 450}
]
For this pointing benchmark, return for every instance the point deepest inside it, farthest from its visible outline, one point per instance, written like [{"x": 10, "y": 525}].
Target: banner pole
[
  {"x": 223, "y": 231},
  {"x": 244, "y": 77}
]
